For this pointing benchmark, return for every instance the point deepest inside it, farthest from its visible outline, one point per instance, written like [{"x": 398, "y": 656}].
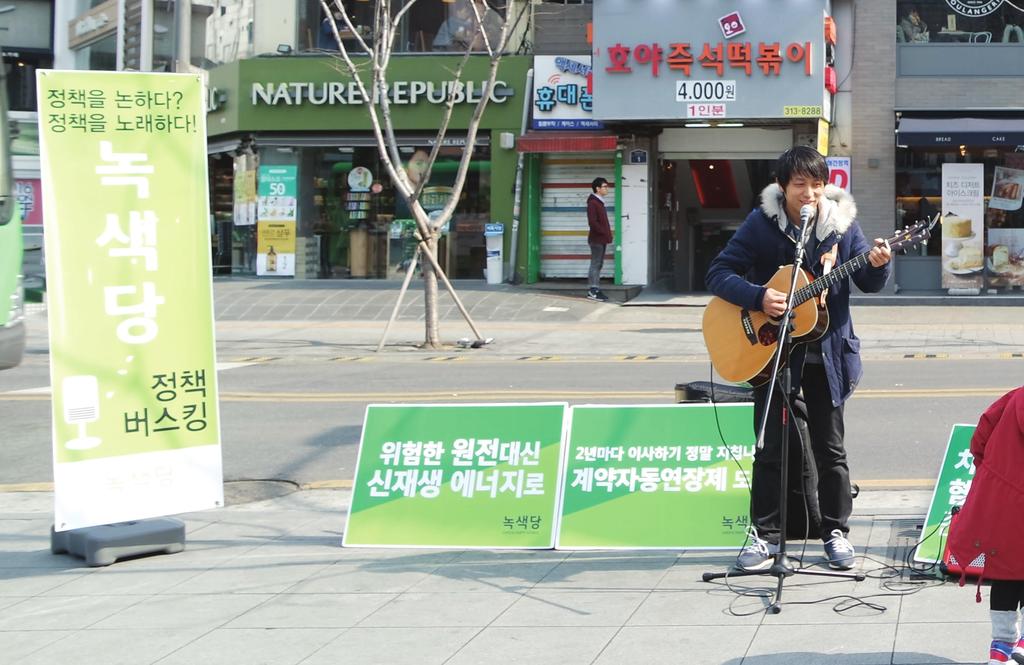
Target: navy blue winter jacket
[{"x": 761, "y": 246}]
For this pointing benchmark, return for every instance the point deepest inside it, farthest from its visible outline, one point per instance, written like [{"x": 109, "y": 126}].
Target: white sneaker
[
  {"x": 759, "y": 554},
  {"x": 839, "y": 551}
]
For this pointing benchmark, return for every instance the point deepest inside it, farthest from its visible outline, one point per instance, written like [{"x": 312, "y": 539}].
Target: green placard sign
[
  {"x": 673, "y": 476},
  {"x": 277, "y": 181},
  {"x": 457, "y": 476},
  {"x": 951, "y": 489},
  {"x": 276, "y": 194},
  {"x": 135, "y": 419}
]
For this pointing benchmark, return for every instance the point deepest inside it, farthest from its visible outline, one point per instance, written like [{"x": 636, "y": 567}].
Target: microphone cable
[{"x": 891, "y": 576}]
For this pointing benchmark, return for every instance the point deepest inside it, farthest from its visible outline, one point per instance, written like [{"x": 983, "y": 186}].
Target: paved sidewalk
[
  {"x": 267, "y": 582},
  {"x": 349, "y": 316}
]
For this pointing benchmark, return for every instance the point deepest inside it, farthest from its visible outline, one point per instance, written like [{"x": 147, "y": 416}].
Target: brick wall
[{"x": 873, "y": 101}]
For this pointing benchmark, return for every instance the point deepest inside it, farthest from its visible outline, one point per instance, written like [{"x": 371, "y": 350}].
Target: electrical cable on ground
[{"x": 892, "y": 577}]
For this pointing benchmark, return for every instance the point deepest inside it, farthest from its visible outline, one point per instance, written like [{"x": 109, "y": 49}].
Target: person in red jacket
[
  {"x": 991, "y": 522},
  {"x": 600, "y": 236}
]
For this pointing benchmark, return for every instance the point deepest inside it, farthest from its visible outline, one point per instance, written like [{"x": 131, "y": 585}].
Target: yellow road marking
[
  {"x": 894, "y": 483},
  {"x": 27, "y": 487},
  {"x": 556, "y": 395}
]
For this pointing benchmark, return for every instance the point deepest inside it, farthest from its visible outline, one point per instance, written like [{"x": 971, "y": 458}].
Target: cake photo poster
[
  {"x": 1004, "y": 258},
  {"x": 963, "y": 225},
  {"x": 1007, "y": 189}
]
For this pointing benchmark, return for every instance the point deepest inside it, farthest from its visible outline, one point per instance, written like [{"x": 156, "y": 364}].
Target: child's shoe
[
  {"x": 1000, "y": 652},
  {"x": 1018, "y": 651}
]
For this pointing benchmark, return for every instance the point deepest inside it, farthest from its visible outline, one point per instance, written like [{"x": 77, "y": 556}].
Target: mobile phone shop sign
[
  {"x": 135, "y": 420},
  {"x": 475, "y": 475},
  {"x": 672, "y": 476},
  {"x": 955, "y": 477}
]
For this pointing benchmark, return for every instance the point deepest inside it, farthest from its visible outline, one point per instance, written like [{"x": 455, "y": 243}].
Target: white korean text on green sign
[
  {"x": 669, "y": 476},
  {"x": 135, "y": 418},
  {"x": 951, "y": 489},
  {"x": 457, "y": 476}
]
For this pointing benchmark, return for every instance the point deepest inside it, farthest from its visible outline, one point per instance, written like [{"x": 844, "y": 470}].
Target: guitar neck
[{"x": 816, "y": 287}]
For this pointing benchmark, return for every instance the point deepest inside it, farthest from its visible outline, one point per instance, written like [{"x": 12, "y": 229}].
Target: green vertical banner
[
  {"x": 136, "y": 428},
  {"x": 276, "y": 212},
  {"x": 467, "y": 475},
  {"x": 954, "y": 481},
  {"x": 649, "y": 477}
]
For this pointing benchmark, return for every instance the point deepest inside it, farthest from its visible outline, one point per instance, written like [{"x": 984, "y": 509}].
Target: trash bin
[{"x": 494, "y": 238}]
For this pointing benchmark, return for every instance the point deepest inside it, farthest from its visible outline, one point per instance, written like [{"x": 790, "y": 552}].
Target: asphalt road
[{"x": 297, "y": 416}]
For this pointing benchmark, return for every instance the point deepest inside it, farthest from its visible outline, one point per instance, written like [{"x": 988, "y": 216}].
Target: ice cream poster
[{"x": 963, "y": 210}]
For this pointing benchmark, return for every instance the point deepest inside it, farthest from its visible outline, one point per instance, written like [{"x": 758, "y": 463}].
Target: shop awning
[
  {"x": 566, "y": 142},
  {"x": 921, "y": 131},
  {"x": 227, "y": 145}
]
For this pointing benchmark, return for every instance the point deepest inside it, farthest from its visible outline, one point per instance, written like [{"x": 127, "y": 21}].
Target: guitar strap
[{"x": 827, "y": 261}]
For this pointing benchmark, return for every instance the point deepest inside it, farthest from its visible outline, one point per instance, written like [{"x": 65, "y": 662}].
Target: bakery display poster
[
  {"x": 1007, "y": 189},
  {"x": 963, "y": 210},
  {"x": 1004, "y": 258}
]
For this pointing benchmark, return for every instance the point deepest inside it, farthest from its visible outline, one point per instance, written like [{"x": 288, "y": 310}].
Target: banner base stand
[{"x": 103, "y": 545}]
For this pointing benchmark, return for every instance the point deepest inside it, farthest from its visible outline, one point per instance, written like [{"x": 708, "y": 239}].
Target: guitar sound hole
[{"x": 767, "y": 334}]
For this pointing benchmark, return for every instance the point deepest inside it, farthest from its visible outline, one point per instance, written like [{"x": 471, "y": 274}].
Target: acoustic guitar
[{"x": 742, "y": 343}]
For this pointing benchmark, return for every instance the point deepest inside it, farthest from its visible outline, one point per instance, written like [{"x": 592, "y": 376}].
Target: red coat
[
  {"x": 597, "y": 218},
  {"x": 992, "y": 518}
]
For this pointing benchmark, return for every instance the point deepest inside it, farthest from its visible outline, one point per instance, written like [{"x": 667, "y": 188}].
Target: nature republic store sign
[
  {"x": 293, "y": 93},
  {"x": 311, "y": 94}
]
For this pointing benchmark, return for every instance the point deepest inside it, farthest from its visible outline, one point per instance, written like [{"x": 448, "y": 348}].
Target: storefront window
[
  {"x": 21, "y": 78},
  {"x": 919, "y": 195},
  {"x": 102, "y": 55},
  {"x": 367, "y": 231},
  {"x": 924, "y": 21},
  {"x": 428, "y": 26}
]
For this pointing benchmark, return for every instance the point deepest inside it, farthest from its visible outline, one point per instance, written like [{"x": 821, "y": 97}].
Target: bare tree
[{"x": 386, "y": 26}]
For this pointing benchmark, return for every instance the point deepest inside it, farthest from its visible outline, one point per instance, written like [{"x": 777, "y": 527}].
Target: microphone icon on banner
[{"x": 81, "y": 397}]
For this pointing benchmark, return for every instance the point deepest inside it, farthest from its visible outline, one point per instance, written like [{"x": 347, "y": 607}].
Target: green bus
[{"x": 12, "y": 292}]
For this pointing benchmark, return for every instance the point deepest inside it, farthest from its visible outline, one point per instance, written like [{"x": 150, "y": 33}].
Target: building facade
[
  {"x": 683, "y": 105},
  {"x": 27, "y": 27},
  {"x": 956, "y": 117},
  {"x": 302, "y": 115}
]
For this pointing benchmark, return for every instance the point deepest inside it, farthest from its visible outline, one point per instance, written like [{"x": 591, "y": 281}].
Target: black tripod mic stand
[{"x": 781, "y": 567}]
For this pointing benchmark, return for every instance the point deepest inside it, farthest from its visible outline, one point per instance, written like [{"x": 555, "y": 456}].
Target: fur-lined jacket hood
[{"x": 836, "y": 210}]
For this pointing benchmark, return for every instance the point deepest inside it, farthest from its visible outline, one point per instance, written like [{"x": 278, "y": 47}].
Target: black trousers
[
  {"x": 814, "y": 418},
  {"x": 1006, "y": 595}
]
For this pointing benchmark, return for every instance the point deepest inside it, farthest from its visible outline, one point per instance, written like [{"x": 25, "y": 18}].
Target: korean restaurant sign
[
  {"x": 463, "y": 475},
  {"x": 561, "y": 97},
  {"x": 660, "y": 476},
  {"x": 136, "y": 430},
  {"x": 951, "y": 487},
  {"x": 656, "y": 60}
]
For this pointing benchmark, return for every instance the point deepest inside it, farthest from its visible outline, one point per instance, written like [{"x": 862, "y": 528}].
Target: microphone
[{"x": 806, "y": 212}]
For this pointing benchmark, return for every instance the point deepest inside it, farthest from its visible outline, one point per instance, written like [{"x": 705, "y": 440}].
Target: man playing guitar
[{"x": 826, "y": 371}]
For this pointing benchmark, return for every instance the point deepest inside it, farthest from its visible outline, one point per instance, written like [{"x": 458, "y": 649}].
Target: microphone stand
[{"x": 781, "y": 567}]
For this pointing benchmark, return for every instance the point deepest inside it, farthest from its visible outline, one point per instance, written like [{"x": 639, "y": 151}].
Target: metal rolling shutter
[{"x": 565, "y": 186}]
